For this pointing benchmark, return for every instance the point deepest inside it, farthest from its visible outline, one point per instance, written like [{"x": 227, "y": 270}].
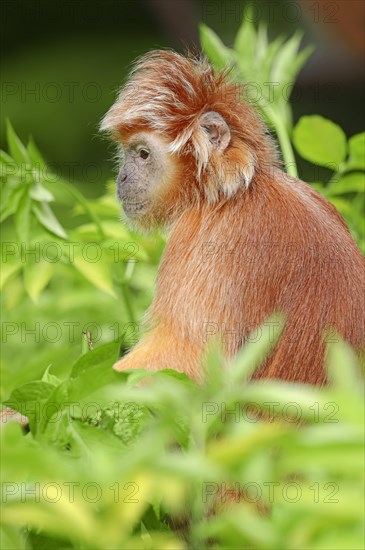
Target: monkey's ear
[{"x": 217, "y": 130}]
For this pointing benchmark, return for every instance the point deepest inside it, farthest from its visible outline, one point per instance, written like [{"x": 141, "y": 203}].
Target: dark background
[{"x": 62, "y": 63}]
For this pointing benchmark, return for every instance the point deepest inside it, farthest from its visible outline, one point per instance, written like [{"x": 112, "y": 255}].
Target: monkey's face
[{"x": 145, "y": 174}]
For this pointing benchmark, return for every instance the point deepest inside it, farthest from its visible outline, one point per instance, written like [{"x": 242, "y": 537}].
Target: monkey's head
[{"x": 186, "y": 137}]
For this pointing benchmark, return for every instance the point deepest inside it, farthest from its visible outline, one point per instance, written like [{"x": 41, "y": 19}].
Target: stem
[
  {"x": 81, "y": 199},
  {"x": 125, "y": 290},
  {"x": 286, "y": 149},
  {"x": 335, "y": 177}
]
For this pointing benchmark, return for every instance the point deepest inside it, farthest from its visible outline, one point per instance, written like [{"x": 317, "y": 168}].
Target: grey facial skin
[
  {"x": 133, "y": 180},
  {"x": 137, "y": 179}
]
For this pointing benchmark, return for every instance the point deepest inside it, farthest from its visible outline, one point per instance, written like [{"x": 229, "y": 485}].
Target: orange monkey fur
[{"x": 246, "y": 239}]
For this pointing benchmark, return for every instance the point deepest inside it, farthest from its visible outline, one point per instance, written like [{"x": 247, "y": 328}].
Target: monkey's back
[
  {"x": 320, "y": 280},
  {"x": 278, "y": 246}
]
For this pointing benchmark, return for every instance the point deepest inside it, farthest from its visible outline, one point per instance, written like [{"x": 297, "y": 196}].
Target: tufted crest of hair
[{"x": 168, "y": 93}]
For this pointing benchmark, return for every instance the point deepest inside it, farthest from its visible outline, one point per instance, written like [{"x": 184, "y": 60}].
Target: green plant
[
  {"x": 346, "y": 161},
  {"x": 106, "y": 464}
]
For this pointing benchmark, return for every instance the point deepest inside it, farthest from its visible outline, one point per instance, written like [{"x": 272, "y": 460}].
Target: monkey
[{"x": 244, "y": 238}]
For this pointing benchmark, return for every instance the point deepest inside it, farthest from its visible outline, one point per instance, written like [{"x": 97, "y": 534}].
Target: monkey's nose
[{"x": 121, "y": 179}]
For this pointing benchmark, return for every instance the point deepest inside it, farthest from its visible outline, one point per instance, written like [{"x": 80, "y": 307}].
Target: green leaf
[
  {"x": 11, "y": 538},
  {"x": 268, "y": 60},
  {"x": 320, "y": 141},
  {"x": 101, "y": 357},
  {"x": 356, "y": 159},
  {"x": 77, "y": 518},
  {"x": 10, "y": 202},
  {"x": 283, "y": 64},
  {"x": 93, "y": 370},
  {"x": 35, "y": 155},
  {"x": 8, "y": 269},
  {"x": 215, "y": 375},
  {"x": 46, "y": 218},
  {"x": 342, "y": 205},
  {"x": 342, "y": 368},
  {"x": 245, "y": 46},
  {"x": 22, "y": 217},
  {"x": 42, "y": 542},
  {"x": 89, "y": 439},
  {"x": 219, "y": 55},
  {"x": 97, "y": 272},
  {"x": 50, "y": 378},
  {"x": 261, "y": 42},
  {"x": 300, "y": 60},
  {"x": 16, "y": 148},
  {"x": 39, "y": 193},
  {"x": 6, "y": 159},
  {"x": 291, "y": 70},
  {"x": 349, "y": 183},
  {"x": 56, "y": 403},
  {"x": 26, "y": 400},
  {"x": 32, "y": 391},
  {"x": 36, "y": 277},
  {"x": 286, "y": 65}
]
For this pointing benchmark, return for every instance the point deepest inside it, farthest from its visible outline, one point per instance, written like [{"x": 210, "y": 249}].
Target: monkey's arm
[{"x": 162, "y": 348}]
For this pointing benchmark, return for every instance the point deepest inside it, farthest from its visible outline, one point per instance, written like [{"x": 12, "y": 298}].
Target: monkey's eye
[{"x": 144, "y": 154}]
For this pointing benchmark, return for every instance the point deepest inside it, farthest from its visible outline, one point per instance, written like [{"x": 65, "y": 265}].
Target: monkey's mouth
[{"x": 134, "y": 208}]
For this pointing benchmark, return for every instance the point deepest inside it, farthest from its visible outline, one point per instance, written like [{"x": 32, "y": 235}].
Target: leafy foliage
[
  {"x": 141, "y": 460},
  {"x": 267, "y": 73},
  {"x": 345, "y": 159},
  {"x": 107, "y": 465}
]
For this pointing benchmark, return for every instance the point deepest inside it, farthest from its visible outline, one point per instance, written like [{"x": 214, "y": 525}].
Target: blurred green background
[{"x": 64, "y": 61}]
